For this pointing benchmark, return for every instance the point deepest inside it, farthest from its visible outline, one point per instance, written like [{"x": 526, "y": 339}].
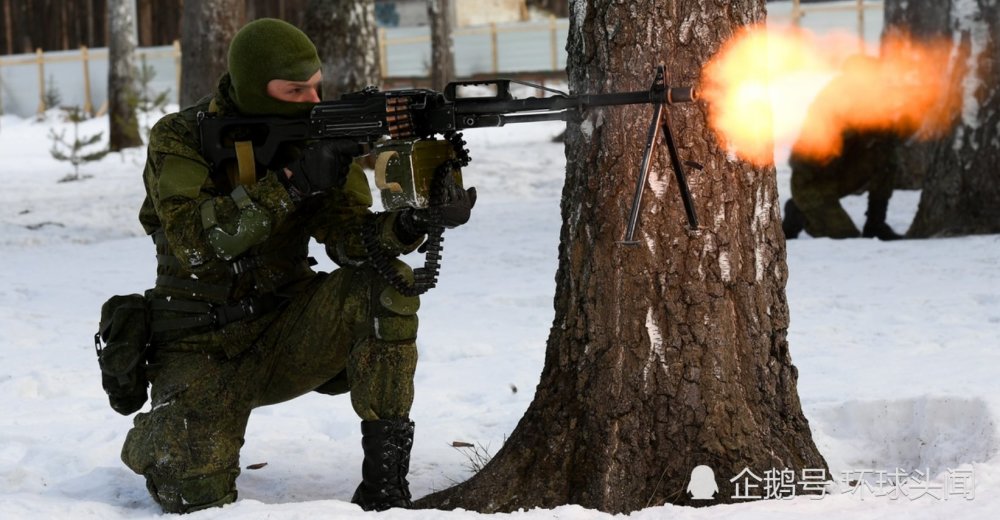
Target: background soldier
[
  {"x": 239, "y": 318},
  {"x": 866, "y": 160}
]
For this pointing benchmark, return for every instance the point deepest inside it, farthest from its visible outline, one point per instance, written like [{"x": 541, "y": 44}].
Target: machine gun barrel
[{"x": 668, "y": 96}]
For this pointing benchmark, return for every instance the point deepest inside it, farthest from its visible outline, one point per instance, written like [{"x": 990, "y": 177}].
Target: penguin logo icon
[{"x": 703, "y": 485}]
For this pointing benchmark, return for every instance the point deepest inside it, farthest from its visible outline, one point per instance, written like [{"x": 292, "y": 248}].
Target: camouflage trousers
[
  {"x": 344, "y": 332},
  {"x": 817, "y": 186}
]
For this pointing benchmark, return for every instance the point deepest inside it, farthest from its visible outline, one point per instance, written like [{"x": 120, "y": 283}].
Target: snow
[{"x": 896, "y": 344}]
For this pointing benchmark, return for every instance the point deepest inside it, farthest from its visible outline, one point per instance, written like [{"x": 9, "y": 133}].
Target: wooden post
[
  {"x": 88, "y": 104},
  {"x": 177, "y": 69},
  {"x": 383, "y": 53},
  {"x": 861, "y": 23},
  {"x": 796, "y": 13},
  {"x": 41, "y": 80},
  {"x": 554, "y": 42},
  {"x": 495, "y": 47}
]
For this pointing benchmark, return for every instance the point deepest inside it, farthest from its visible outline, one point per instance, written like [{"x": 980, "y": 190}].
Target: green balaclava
[{"x": 269, "y": 49}]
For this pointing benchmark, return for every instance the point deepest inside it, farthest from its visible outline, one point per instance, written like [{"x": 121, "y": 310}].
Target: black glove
[
  {"x": 322, "y": 165},
  {"x": 452, "y": 213}
]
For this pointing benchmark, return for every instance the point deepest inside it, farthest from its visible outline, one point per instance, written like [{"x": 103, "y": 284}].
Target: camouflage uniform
[
  {"x": 867, "y": 161},
  {"x": 345, "y": 331}
]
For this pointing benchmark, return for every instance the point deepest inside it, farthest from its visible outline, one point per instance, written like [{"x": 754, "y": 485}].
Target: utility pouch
[{"x": 125, "y": 334}]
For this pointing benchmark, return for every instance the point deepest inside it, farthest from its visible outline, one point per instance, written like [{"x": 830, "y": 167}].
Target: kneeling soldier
[{"x": 239, "y": 318}]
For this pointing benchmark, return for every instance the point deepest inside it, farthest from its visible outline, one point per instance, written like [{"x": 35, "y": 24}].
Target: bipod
[{"x": 660, "y": 125}]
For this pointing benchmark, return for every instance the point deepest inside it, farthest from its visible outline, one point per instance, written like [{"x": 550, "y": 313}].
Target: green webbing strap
[{"x": 245, "y": 163}]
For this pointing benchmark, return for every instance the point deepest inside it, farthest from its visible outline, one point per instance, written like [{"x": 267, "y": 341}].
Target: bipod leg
[
  {"x": 647, "y": 162},
  {"x": 678, "y": 166}
]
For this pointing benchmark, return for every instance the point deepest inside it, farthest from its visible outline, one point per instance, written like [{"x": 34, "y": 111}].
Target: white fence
[{"x": 80, "y": 76}]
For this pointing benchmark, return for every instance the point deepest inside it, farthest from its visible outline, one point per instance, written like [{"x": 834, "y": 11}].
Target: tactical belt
[
  {"x": 204, "y": 314},
  {"x": 195, "y": 287},
  {"x": 210, "y": 315}
]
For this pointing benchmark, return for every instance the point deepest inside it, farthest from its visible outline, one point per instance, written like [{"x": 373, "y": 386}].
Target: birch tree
[
  {"x": 961, "y": 192},
  {"x": 346, "y": 37},
  {"x": 668, "y": 356},
  {"x": 124, "y": 127},
  {"x": 442, "y": 46},
  {"x": 207, "y": 27}
]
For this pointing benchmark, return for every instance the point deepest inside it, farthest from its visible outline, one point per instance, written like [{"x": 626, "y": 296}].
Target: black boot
[
  {"x": 794, "y": 221},
  {"x": 387, "y": 446},
  {"x": 875, "y": 225}
]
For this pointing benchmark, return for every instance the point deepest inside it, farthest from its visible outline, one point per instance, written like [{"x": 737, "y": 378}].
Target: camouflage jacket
[{"x": 180, "y": 183}]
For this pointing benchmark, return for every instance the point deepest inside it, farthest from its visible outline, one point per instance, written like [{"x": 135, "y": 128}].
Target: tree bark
[
  {"x": 206, "y": 29},
  {"x": 8, "y": 27},
  {"x": 124, "y": 128},
  {"x": 442, "y": 46},
  {"x": 669, "y": 355},
  {"x": 146, "y": 23},
  {"x": 920, "y": 20},
  {"x": 961, "y": 193},
  {"x": 346, "y": 37}
]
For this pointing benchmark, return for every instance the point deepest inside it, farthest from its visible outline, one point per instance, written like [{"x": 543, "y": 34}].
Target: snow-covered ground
[{"x": 896, "y": 344}]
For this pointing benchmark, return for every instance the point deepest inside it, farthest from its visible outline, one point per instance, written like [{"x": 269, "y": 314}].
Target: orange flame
[{"x": 761, "y": 87}]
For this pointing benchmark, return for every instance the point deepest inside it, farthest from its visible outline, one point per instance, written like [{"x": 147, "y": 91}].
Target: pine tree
[{"x": 80, "y": 149}]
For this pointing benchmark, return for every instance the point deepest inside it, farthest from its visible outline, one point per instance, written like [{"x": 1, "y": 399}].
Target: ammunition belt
[{"x": 424, "y": 278}]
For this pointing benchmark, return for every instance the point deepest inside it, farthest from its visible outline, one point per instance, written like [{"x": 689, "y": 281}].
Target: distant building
[{"x": 413, "y": 13}]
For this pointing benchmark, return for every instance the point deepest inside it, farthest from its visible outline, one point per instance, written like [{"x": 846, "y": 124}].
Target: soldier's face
[{"x": 296, "y": 91}]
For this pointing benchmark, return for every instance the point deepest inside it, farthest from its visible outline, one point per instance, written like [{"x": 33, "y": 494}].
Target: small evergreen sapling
[
  {"x": 145, "y": 100},
  {"x": 76, "y": 151}
]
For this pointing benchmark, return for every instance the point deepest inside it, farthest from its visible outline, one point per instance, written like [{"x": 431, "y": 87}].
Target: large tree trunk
[
  {"x": 669, "y": 355},
  {"x": 442, "y": 47},
  {"x": 920, "y": 20},
  {"x": 207, "y": 27},
  {"x": 8, "y": 23},
  {"x": 962, "y": 190},
  {"x": 146, "y": 23},
  {"x": 346, "y": 37},
  {"x": 124, "y": 128}
]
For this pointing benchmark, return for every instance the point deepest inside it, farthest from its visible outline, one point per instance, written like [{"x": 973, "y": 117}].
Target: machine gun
[{"x": 412, "y": 165}]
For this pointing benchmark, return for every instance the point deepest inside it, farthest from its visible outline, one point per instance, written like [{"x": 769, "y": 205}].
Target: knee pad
[
  {"x": 188, "y": 494},
  {"x": 394, "y": 316}
]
